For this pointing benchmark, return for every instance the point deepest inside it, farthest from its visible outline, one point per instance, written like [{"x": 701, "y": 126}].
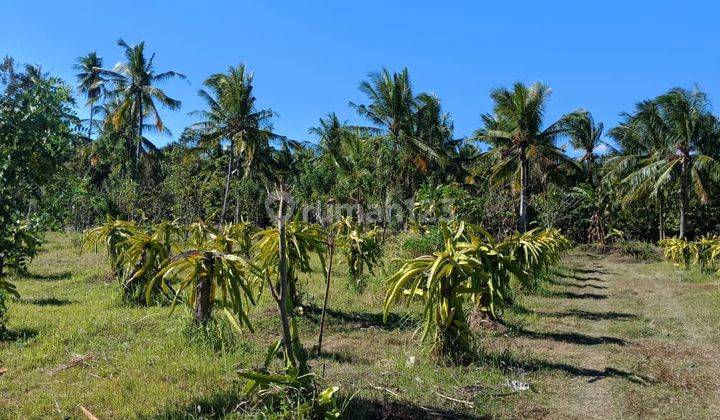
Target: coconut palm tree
[
  {"x": 330, "y": 131},
  {"x": 232, "y": 116},
  {"x": 586, "y": 135},
  {"x": 518, "y": 139},
  {"x": 638, "y": 140},
  {"x": 404, "y": 117},
  {"x": 90, "y": 81},
  {"x": 392, "y": 104},
  {"x": 675, "y": 138},
  {"x": 135, "y": 83}
]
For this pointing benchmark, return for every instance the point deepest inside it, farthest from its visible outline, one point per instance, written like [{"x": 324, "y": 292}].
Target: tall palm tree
[
  {"x": 232, "y": 116},
  {"x": 638, "y": 141},
  {"x": 672, "y": 146},
  {"x": 586, "y": 135},
  {"x": 90, "y": 81},
  {"x": 518, "y": 139},
  {"x": 392, "y": 103},
  {"x": 434, "y": 128},
  {"x": 394, "y": 108},
  {"x": 330, "y": 133},
  {"x": 333, "y": 134},
  {"x": 135, "y": 83}
]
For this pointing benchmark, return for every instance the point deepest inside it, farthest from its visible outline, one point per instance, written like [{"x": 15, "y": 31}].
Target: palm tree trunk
[
  {"x": 91, "y": 123},
  {"x": 683, "y": 197},
  {"x": 523, "y": 191},
  {"x": 661, "y": 217},
  {"x": 139, "y": 131},
  {"x": 227, "y": 181},
  {"x": 236, "y": 219}
]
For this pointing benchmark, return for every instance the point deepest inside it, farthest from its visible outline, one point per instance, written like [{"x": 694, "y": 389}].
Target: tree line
[{"x": 657, "y": 179}]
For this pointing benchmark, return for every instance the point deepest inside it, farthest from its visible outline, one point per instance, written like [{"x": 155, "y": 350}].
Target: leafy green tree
[
  {"x": 36, "y": 140},
  {"x": 391, "y": 106},
  {"x": 519, "y": 142},
  {"x": 355, "y": 159},
  {"x": 585, "y": 135}
]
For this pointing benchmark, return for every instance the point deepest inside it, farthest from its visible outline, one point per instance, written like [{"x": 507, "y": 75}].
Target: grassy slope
[{"x": 610, "y": 338}]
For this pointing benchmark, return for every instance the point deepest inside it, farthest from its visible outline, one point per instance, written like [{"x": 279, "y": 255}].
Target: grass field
[{"x": 608, "y": 338}]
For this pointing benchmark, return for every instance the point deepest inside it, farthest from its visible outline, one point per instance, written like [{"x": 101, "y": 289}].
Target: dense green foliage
[
  {"x": 704, "y": 252},
  {"x": 36, "y": 141}
]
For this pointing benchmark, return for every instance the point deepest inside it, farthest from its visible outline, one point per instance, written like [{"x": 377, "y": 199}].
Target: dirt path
[{"x": 614, "y": 339}]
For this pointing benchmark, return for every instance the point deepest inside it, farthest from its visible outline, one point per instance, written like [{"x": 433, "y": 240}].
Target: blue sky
[{"x": 310, "y": 56}]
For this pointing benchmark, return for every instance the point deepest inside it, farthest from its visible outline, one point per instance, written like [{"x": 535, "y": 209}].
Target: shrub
[
  {"x": 468, "y": 269},
  {"x": 362, "y": 249},
  {"x": 18, "y": 247},
  {"x": 704, "y": 252},
  {"x": 680, "y": 251},
  {"x": 423, "y": 243},
  {"x": 304, "y": 240},
  {"x": 288, "y": 395},
  {"x": 639, "y": 251},
  {"x": 535, "y": 251}
]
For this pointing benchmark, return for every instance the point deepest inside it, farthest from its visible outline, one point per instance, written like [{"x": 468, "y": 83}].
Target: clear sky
[{"x": 309, "y": 56}]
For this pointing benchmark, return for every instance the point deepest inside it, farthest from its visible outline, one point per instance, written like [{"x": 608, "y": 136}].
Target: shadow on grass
[
  {"x": 570, "y": 274},
  {"x": 572, "y": 295},
  {"x": 508, "y": 363},
  {"x": 359, "y": 319},
  {"x": 226, "y": 403},
  {"x": 593, "y": 375},
  {"x": 572, "y": 338},
  {"x": 573, "y": 284},
  {"x": 215, "y": 406},
  {"x": 585, "y": 286},
  {"x": 339, "y": 357},
  {"x": 21, "y": 335},
  {"x": 591, "y": 270},
  {"x": 591, "y": 316},
  {"x": 520, "y": 309},
  {"x": 392, "y": 409},
  {"x": 48, "y": 277},
  {"x": 48, "y": 301}
]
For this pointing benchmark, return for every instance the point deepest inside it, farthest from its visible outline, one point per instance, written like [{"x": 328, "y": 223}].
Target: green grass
[{"x": 143, "y": 362}]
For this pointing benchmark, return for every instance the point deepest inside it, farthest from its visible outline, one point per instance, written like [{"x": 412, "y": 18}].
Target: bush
[
  {"x": 639, "y": 251},
  {"x": 423, "y": 243}
]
